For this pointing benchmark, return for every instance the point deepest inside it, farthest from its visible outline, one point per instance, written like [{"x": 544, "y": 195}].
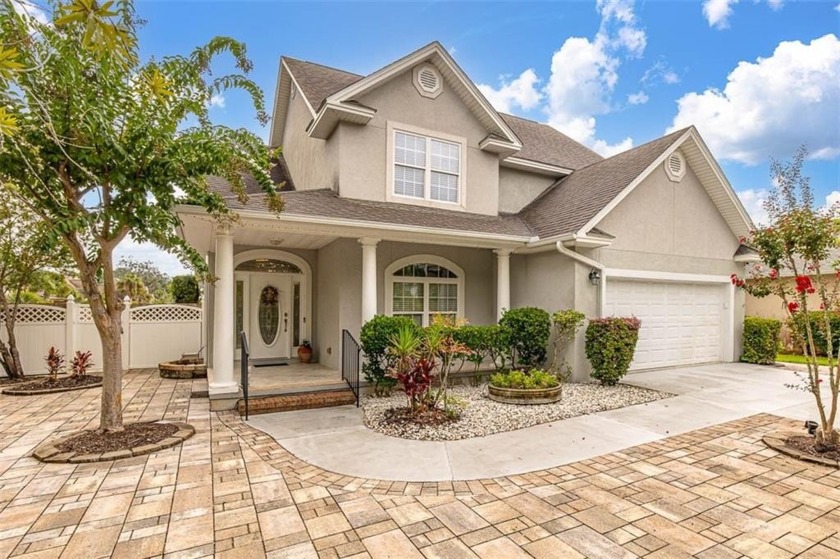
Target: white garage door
[{"x": 682, "y": 323}]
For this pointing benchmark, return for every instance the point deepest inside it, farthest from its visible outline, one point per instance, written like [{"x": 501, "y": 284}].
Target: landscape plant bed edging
[
  {"x": 49, "y": 452},
  {"x": 525, "y": 396},
  {"x": 182, "y": 371},
  {"x": 22, "y": 390},
  {"x": 778, "y": 442}
]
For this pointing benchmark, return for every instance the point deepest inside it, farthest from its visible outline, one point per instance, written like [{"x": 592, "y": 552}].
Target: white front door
[{"x": 270, "y": 318}]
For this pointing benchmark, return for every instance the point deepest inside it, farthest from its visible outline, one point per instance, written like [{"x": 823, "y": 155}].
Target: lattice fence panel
[
  {"x": 85, "y": 314},
  {"x": 38, "y": 314},
  {"x": 165, "y": 313}
]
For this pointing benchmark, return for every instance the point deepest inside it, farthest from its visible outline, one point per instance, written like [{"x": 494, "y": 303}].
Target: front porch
[
  {"x": 286, "y": 283},
  {"x": 290, "y": 378}
]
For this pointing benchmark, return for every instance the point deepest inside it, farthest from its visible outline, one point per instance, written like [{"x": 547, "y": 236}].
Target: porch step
[{"x": 297, "y": 401}]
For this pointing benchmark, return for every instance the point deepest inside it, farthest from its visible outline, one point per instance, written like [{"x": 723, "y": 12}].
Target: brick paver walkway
[{"x": 234, "y": 492}]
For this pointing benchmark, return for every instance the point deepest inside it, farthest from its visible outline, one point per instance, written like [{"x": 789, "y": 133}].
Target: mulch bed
[
  {"x": 135, "y": 434},
  {"x": 805, "y": 444},
  {"x": 136, "y": 439},
  {"x": 6, "y": 381},
  {"x": 802, "y": 447},
  {"x": 48, "y": 385}
]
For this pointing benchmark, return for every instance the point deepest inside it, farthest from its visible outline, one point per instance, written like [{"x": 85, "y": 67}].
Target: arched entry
[{"x": 272, "y": 301}]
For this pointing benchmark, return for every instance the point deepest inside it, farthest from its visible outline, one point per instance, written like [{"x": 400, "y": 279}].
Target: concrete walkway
[{"x": 336, "y": 439}]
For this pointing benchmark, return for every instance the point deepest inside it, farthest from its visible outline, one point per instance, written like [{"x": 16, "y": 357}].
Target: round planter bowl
[
  {"x": 176, "y": 370},
  {"x": 525, "y": 396}
]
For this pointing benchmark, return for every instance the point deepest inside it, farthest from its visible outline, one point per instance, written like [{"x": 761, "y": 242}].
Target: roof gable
[{"x": 577, "y": 203}]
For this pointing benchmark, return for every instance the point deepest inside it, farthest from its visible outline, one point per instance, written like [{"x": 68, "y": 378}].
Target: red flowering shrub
[
  {"x": 793, "y": 306},
  {"x": 803, "y": 285}
]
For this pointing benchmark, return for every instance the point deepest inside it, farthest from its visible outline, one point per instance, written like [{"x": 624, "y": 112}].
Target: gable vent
[
  {"x": 675, "y": 166},
  {"x": 427, "y": 80}
]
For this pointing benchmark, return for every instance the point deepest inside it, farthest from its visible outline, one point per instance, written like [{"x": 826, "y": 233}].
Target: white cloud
[
  {"x": 717, "y": 12},
  {"x": 584, "y": 73},
  {"x": 639, "y": 98},
  {"x": 660, "y": 72},
  {"x": 521, "y": 92},
  {"x": 217, "y": 101},
  {"x": 771, "y": 106},
  {"x": 165, "y": 262},
  {"x": 776, "y": 5},
  {"x": 753, "y": 200},
  {"x": 833, "y": 198},
  {"x": 837, "y": 8}
]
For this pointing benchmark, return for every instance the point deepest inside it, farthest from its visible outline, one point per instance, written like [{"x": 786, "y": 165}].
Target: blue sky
[{"x": 758, "y": 78}]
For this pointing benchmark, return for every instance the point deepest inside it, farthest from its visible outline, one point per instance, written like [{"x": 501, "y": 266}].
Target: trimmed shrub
[
  {"x": 610, "y": 345},
  {"x": 375, "y": 338},
  {"x": 536, "y": 378},
  {"x": 818, "y": 329},
  {"x": 528, "y": 330},
  {"x": 761, "y": 340},
  {"x": 184, "y": 289}
]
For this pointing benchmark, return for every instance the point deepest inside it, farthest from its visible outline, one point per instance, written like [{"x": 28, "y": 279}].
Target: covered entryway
[
  {"x": 271, "y": 302},
  {"x": 683, "y": 322}
]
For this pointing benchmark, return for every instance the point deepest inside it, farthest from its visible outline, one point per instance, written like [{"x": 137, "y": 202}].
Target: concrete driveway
[{"x": 337, "y": 440}]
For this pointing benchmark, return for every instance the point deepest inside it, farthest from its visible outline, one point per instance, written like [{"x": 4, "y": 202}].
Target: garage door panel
[{"x": 681, "y": 322}]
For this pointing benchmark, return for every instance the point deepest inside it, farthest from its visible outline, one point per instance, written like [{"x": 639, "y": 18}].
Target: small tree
[
  {"x": 184, "y": 289},
  {"x": 98, "y": 145},
  {"x": 799, "y": 239},
  {"x": 565, "y": 325},
  {"x": 22, "y": 261}
]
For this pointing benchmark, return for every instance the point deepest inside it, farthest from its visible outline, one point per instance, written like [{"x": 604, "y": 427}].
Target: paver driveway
[{"x": 233, "y": 491}]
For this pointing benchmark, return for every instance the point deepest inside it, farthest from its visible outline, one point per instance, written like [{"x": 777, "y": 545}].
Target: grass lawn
[{"x": 793, "y": 358}]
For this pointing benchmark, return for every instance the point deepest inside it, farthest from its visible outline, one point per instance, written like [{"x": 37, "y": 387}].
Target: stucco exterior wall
[
  {"x": 668, "y": 226},
  {"x": 313, "y": 163},
  {"x": 363, "y": 151},
  {"x": 518, "y": 188}
]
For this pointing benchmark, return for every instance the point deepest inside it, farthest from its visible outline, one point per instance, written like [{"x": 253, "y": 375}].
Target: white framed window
[
  {"x": 423, "y": 286},
  {"x": 426, "y": 168}
]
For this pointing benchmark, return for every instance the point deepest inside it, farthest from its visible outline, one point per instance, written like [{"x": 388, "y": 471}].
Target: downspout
[{"x": 587, "y": 262}]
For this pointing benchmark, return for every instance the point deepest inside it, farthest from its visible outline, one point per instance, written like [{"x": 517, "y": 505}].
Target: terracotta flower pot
[{"x": 304, "y": 354}]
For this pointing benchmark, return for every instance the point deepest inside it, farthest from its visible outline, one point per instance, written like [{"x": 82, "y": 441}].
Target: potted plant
[
  {"x": 304, "y": 352},
  {"x": 521, "y": 387}
]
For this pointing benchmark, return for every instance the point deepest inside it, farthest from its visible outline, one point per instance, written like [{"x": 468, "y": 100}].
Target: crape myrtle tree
[
  {"x": 798, "y": 240},
  {"x": 99, "y": 144}
]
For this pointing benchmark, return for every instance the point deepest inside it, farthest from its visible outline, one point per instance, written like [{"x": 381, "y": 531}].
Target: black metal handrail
[
  {"x": 350, "y": 356},
  {"x": 244, "y": 354}
]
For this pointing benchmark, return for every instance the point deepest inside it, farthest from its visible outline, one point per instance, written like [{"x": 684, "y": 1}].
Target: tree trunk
[
  {"x": 111, "y": 411},
  {"x": 9, "y": 354}
]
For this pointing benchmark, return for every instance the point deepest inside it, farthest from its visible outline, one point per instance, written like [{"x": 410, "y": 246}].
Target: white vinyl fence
[{"x": 151, "y": 333}]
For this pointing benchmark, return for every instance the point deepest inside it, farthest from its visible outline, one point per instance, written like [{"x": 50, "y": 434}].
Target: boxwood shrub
[
  {"x": 761, "y": 340},
  {"x": 610, "y": 345},
  {"x": 527, "y": 330}
]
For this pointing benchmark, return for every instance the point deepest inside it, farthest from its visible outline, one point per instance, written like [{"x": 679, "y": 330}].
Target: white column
[
  {"x": 223, "y": 334},
  {"x": 368, "y": 278},
  {"x": 502, "y": 281}
]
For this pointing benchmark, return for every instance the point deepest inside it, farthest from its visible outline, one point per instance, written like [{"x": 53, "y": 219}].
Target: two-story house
[{"x": 407, "y": 193}]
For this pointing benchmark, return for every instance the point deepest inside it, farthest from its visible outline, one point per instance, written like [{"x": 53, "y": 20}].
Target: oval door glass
[{"x": 269, "y": 314}]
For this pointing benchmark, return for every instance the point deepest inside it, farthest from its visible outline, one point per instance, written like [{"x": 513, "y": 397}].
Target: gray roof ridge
[{"x": 333, "y": 68}]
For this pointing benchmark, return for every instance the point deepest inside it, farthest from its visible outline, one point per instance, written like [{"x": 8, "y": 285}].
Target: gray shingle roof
[
  {"x": 545, "y": 144},
  {"x": 541, "y": 142},
  {"x": 571, "y": 202},
  {"x": 326, "y": 203},
  {"x": 317, "y": 82}
]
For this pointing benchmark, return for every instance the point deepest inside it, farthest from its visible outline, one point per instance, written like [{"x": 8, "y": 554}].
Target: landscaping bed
[
  {"x": 803, "y": 448},
  {"x": 48, "y": 385},
  {"x": 135, "y": 440},
  {"x": 483, "y": 416}
]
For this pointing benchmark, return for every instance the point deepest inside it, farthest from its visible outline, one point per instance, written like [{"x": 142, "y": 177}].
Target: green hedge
[
  {"x": 818, "y": 329},
  {"x": 527, "y": 330},
  {"x": 375, "y": 338},
  {"x": 610, "y": 345},
  {"x": 761, "y": 340}
]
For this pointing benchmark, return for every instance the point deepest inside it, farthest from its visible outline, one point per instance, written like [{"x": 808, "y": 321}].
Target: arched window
[{"x": 424, "y": 286}]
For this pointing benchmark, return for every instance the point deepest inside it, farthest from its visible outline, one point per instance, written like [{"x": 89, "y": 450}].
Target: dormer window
[{"x": 426, "y": 167}]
